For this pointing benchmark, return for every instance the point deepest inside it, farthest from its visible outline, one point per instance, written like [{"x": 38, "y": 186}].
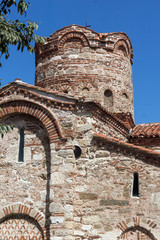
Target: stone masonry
[{"x": 86, "y": 171}]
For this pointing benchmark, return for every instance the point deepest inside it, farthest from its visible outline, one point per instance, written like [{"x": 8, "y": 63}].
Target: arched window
[
  {"x": 85, "y": 89},
  {"x": 21, "y": 146},
  {"x": 125, "y": 96},
  {"x": 135, "y": 189},
  {"x": 108, "y": 99},
  {"x": 77, "y": 151}
]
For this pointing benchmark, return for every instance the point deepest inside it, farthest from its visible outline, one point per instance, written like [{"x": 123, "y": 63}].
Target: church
[{"x": 75, "y": 166}]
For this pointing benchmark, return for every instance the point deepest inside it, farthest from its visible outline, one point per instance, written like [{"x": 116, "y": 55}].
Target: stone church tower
[{"x": 75, "y": 166}]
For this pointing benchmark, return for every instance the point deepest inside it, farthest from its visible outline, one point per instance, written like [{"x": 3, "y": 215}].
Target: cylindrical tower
[{"x": 81, "y": 62}]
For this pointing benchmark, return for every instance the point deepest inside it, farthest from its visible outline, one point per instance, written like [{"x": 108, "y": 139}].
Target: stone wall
[
  {"x": 89, "y": 197},
  {"x": 104, "y": 205}
]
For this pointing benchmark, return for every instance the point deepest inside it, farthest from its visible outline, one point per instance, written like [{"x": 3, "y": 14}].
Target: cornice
[
  {"x": 149, "y": 156},
  {"x": 22, "y": 92}
]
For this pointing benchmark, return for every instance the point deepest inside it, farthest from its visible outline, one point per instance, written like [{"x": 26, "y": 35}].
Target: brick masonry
[
  {"x": 84, "y": 63},
  {"x": 53, "y": 194}
]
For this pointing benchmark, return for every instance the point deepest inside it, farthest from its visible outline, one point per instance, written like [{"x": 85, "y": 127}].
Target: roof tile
[{"x": 146, "y": 130}]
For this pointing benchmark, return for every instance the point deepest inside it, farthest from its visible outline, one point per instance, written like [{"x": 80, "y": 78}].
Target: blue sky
[{"x": 140, "y": 19}]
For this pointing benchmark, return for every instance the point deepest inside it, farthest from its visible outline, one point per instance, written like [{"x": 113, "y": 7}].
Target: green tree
[{"x": 16, "y": 32}]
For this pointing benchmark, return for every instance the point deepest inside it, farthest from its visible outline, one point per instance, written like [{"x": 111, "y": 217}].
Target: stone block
[
  {"x": 37, "y": 156},
  {"x": 111, "y": 202},
  {"x": 86, "y": 227},
  {"x": 65, "y": 153},
  {"x": 88, "y": 196},
  {"x": 90, "y": 219},
  {"x": 57, "y": 219},
  {"x": 102, "y": 154},
  {"x": 56, "y": 207},
  {"x": 78, "y": 233},
  {"x": 57, "y": 178},
  {"x": 56, "y": 238}
]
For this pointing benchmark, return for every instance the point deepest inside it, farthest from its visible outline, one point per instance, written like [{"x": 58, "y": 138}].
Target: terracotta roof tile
[{"x": 146, "y": 130}]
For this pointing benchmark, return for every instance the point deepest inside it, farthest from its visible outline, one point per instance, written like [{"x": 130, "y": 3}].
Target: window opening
[
  {"x": 66, "y": 91},
  {"x": 77, "y": 151},
  {"x": 108, "y": 93},
  {"x": 108, "y": 99},
  {"x": 21, "y": 146},
  {"x": 85, "y": 89},
  {"x": 125, "y": 95},
  {"x": 135, "y": 192}
]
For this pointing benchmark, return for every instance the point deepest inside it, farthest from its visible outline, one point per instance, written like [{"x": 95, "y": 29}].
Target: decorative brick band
[
  {"x": 73, "y": 34},
  {"x": 37, "y": 111}
]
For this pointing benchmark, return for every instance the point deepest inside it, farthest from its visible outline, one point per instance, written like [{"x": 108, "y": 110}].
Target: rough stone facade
[{"x": 75, "y": 166}]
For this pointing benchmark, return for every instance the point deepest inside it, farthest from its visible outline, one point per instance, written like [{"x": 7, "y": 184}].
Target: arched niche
[
  {"x": 73, "y": 39},
  {"x": 122, "y": 47}
]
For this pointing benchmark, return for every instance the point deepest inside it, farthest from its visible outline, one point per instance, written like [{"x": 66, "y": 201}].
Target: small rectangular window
[{"x": 21, "y": 146}]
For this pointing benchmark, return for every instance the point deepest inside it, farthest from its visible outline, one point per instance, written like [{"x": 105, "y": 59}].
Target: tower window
[
  {"x": 108, "y": 93},
  {"x": 21, "y": 146},
  {"x": 135, "y": 190},
  {"x": 108, "y": 99},
  {"x": 85, "y": 89},
  {"x": 125, "y": 95},
  {"x": 77, "y": 151}
]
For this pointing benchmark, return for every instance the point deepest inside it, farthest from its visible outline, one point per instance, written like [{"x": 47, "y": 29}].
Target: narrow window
[
  {"x": 21, "y": 146},
  {"x": 108, "y": 99},
  {"x": 77, "y": 151},
  {"x": 135, "y": 192}
]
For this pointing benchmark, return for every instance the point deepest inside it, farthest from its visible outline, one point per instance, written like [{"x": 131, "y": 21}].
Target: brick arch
[
  {"x": 37, "y": 111},
  {"x": 136, "y": 233},
  {"x": 22, "y": 209},
  {"x": 122, "y": 45},
  {"x": 73, "y": 35},
  {"x": 26, "y": 213},
  {"x": 136, "y": 229}
]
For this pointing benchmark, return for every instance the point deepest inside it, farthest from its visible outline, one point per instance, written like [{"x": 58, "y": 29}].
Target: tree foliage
[
  {"x": 16, "y": 32},
  {"x": 4, "y": 129}
]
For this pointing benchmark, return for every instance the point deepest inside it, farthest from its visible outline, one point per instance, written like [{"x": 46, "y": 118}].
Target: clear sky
[{"x": 140, "y": 19}]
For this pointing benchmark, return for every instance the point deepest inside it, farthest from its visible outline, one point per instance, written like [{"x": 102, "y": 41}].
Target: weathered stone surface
[
  {"x": 57, "y": 219},
  {"x": 88, "y": 196},
  {"x": 57, "y": 178},
  {"x": 101, "y": 154},
  {"x": 90, "y": 219},
  {"x": 65, "y": 153},
  {"x": 110, "y": 202},
  {"x": 56, "y": 207}
]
